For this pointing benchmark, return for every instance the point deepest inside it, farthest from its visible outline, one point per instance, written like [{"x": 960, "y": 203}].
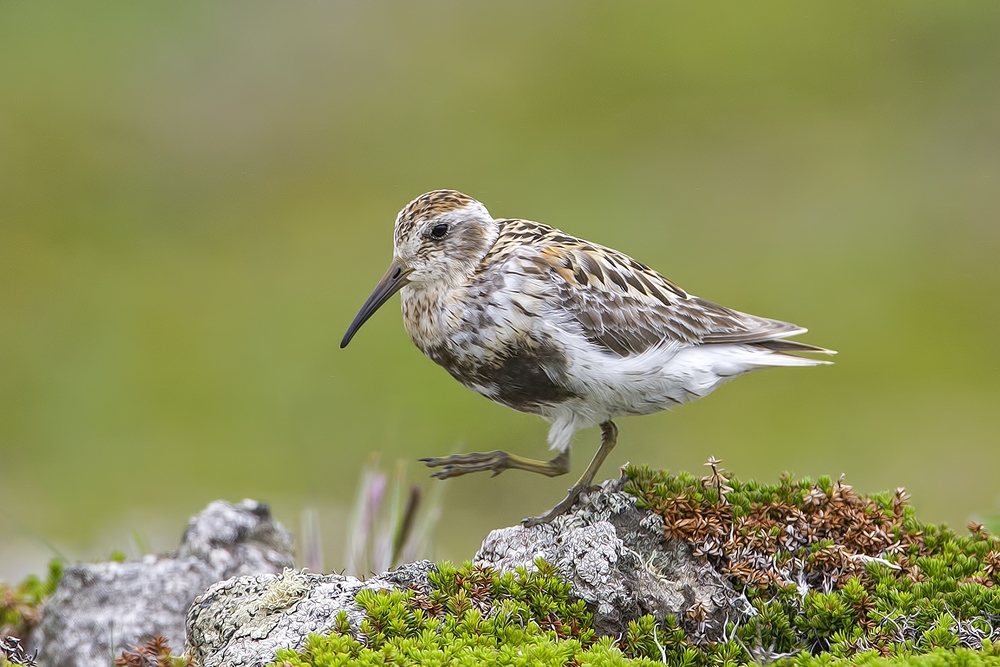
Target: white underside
[{"x": 655, "y": 380}]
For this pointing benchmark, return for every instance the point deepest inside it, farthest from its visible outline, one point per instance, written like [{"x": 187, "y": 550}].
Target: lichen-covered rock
[
  {"x": 243, "y": 621},
  {"x": 235, "y": 540},
  {"x": 617, "y": 560},
  {"x": 99, "y": 609},
  {"x": 612, "y": 554}
]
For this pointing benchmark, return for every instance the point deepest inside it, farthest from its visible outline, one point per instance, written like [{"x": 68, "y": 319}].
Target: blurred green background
[{"x": 195, "y": 198}]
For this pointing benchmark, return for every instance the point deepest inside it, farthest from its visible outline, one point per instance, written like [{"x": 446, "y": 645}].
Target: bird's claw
[
  {"x": 561, "y": 508},
  {"x": 457, "y": 465}
]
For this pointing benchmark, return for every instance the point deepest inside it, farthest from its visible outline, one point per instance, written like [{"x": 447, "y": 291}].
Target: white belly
[{"x": 658, "y": 379}]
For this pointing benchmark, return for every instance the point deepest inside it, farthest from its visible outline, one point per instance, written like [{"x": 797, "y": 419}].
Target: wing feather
[{"x": 623, "y": 305}]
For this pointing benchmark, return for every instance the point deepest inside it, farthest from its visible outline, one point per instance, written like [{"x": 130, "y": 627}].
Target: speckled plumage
[{"x": 553, "y": 325}]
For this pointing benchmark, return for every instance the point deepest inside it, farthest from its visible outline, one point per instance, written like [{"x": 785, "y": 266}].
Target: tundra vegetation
[{"x": 836, "y": 578}]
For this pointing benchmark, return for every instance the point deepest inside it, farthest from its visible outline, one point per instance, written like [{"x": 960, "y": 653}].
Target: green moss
[
  {"x": 835, "y": 575},
  {"x": 961, "y": 657},
  {"x": 836, "y": 579},
  {"x": 20, "y": 604},
  {"x": 472, "y": 616}
]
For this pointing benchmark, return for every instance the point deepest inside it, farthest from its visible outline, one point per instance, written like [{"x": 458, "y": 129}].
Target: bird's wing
[{"x": 623, "y": 305}]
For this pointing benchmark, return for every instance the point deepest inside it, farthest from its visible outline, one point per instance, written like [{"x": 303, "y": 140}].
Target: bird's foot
[
  {"x": 561, "y": 508},
  {"x": 457, "y": 465}
]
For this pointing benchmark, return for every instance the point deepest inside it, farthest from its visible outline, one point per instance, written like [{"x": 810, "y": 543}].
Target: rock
[
  {"x": 612, "y": 553},
  {"x": 237, "y": 539},
  {"x": 617, "y": 560},
  {"x": 100, "y": 609},
  {"x": 243, "y": 621}
]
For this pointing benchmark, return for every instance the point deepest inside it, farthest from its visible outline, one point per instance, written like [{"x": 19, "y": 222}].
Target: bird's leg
[
  {"x": 496, "y": 461},
  {"x": 609, "y": 437}
]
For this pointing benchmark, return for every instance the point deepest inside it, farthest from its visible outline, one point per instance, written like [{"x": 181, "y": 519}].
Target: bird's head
[{"x": 440, "y": 238}]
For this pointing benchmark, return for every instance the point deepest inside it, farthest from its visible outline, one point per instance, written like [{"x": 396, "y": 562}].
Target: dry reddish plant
[
  {"x": 154, "y": 653},
  {"x": 822, "y": 538}
]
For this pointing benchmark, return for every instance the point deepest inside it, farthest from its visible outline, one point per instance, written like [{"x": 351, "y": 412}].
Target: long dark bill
[{"x": 393, "y": 281}]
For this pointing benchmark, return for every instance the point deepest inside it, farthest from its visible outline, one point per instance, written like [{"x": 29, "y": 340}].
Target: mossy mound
[
  {"x": 20, "y": 605},
  {"x": 473, "y": 616},
  {"x": 836, "y": 578},
  {"x": 20, "y": 611},
  {"x": 830, "y": 571}
]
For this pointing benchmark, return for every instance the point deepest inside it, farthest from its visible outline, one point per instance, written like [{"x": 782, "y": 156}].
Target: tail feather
[
  {"x": 784, "y": 346},
  {"x": 768, "y": 358}
]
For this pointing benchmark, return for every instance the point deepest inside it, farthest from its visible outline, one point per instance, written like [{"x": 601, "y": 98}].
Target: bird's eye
[{"x": 439, "y": 231}]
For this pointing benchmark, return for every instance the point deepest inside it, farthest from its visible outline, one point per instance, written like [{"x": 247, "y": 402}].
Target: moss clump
[
  {"x": 831, "y": 573},
  {"x": 472, "y": 616},
  {"x": 836, "y": 579},
  {"x": 20, "y": 605}
]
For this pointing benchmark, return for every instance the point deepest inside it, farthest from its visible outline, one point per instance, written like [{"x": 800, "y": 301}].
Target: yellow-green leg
[
  {"x": 609, "y": 437},
  {"x": 496, "y": 461}
]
